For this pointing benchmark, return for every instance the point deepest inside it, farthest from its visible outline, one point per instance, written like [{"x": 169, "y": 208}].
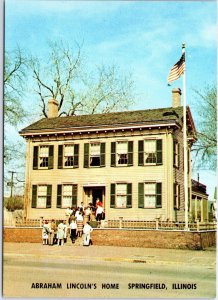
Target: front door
[
  {"x": 97, "y": 193},
  {"x": 94, "y": 193}
]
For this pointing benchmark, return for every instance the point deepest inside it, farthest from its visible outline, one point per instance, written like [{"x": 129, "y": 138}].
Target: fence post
[
  {"x": 121, "y": 221},
  {"x": 198, "y": 225},
  {"x": 157, "y": 223}
]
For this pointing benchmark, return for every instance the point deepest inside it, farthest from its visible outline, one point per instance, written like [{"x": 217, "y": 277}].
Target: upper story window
[
  {"x": 66, "y": 195},
  {"x": 150, "y": 195},
  {"x": 122, "y": 153},
  {"x": 176, "y": 153},
  {"x": 43, "y": 157},
  {"x": 94, "y": 154},
  {"x": 149, "y": 152},
  {"x": 41, "y": 196},
  {"x": 68, "y": 156},
  {"x": 121, "y": 195}
]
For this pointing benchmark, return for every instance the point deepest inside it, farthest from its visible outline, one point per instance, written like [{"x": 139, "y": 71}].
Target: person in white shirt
[
  {"x": 45, "y": 232},
  {"x": 87, "y": 229},
  {"x": 60, "y": 233},
  {"x": 73, "y": 230},
  {"x": 99, "y": 212}
]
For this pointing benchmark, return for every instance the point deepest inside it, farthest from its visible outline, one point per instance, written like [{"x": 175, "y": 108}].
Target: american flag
[{"x": 177, "y": 70}]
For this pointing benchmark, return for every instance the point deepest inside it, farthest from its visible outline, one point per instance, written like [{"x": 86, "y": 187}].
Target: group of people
[
  {"x": 57, "y": 234},
  {"x": 89, "y": 213},
  {"x": 77, "y": 221}
]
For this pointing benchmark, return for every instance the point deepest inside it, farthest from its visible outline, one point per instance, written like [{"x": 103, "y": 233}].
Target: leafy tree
[
  {"x": 12, "y": 204},
  {"x": 206, "y": 146},
  {"x": 77, "y": 90}
]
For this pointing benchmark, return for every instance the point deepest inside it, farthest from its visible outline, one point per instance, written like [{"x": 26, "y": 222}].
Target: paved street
[{"x": 107, "y": 272}]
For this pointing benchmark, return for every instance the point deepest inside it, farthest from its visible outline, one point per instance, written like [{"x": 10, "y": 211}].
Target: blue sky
[{"x": 141, "y": 37}]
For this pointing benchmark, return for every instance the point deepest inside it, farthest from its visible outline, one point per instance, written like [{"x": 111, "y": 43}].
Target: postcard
[{"x": 110, "y": 122}]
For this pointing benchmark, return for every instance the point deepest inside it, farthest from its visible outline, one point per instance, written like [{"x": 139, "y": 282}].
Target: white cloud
[
  {"x": 209, "y": 33},
  {"x": 83, "y": 8}
]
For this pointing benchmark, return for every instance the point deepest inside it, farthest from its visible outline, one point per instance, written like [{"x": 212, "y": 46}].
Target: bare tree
[
  {"x": 77, "y": 90},
  {"x": 14, "y": 75},
  {"x": 205, "y": 148}
]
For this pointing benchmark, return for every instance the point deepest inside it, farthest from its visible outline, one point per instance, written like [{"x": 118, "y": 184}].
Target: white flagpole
[{"x": 185, "y": 146}]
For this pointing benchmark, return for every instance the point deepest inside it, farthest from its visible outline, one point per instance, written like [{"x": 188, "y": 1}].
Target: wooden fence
[{"x": 133, "y": 224}]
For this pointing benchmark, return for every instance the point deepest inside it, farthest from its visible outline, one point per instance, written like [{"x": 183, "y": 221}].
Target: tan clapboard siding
[
  {"x": 164, "y": 173},
  {"x": 179, "y": 177}
]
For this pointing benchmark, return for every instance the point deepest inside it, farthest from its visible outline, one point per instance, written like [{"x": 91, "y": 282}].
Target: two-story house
[{"x": 132, "y": 161}]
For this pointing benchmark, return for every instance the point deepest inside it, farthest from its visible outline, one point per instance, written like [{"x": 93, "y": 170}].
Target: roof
[
  {"x": 199, "y": 187},
  {"x": 149, "y": 116}
]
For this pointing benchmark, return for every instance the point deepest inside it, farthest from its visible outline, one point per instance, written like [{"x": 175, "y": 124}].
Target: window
[
  {"x": 122, "y": 153},
  {"x": 150, "y": 195},
  {"x": 43, "y": 157},
  {"x": 149, "y": 152},
  {"x": 66, "y": 195},
  {"x": 121, "y": 195},
  {"x": 94, "y": 154},
  {"x": 68, "y": 156},
  {"x": 176, "y": 192},
  {"x": 176, "y": 152},
  {"x": 41, "y": 196}
]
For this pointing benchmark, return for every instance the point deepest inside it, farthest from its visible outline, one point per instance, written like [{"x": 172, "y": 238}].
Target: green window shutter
[
  {"x": 60, "y": 156},
  {"x": 34, "y": 196},
  {"x": 141, "y": 196},
  {"x": 159, "y": 151},
  {"x": 59, "y": 196},
  {"x": 102, "y": 155},
  {"x": 35, "y": 157},
  {"x": 159, "y": 194},
  {"x": 129, "y": 195},
  {"x": 130, "y": 153},
  {"x": 113, "y": 195},
  {"x": 141, "y": 153},
  {"x": 50, "y": 157},
  {"x": 76, "y": 156},
  {"x": 49, "y": 193},
  {"x": 86, "y": 155},
  {"x": 113, "y": 154},
  {"x": 74, "y": 195},
  {"x": 174, "y": 196}
]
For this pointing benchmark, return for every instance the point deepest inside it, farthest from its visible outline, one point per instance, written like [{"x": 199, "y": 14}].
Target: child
[{"x": 45, "y": 233}]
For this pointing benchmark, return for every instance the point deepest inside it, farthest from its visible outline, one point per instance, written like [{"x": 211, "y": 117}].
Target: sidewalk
[{"x": 110, "y": 253}]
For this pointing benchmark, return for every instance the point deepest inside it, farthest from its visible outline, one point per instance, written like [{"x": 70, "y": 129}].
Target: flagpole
[{"x": 185, "y": 147}]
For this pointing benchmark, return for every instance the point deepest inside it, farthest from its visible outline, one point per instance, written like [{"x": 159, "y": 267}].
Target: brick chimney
[
  {"x": 52, "y": 108},
  {"x": 176, "y": 97}
]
